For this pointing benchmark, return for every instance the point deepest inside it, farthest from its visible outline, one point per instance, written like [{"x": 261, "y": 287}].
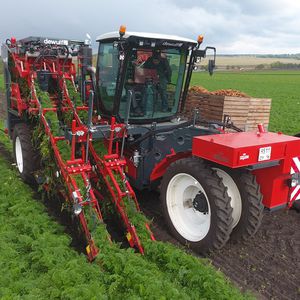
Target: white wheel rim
[
  {"x": 234, "y": 193},
  {"x": 190, "y": 223},
  {"x": 19, "y": 155}
]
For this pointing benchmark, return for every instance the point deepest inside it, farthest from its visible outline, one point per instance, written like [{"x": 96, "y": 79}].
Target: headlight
[{"x": 294, "y": 182}]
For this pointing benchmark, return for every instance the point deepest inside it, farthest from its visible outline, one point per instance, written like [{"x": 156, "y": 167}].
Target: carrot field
[{"x": 39, "y": 262}]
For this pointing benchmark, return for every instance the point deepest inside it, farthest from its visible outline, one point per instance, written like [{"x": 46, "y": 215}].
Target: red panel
[
  {"x": 273, "y": 184},
  {"x": 242, "y": 149},
  {"x": 130, "y": 168},
  {"x": 161, "y": 167}
]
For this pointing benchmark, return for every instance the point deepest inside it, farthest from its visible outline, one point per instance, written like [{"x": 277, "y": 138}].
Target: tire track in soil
[{"x": 268, "y": 264}]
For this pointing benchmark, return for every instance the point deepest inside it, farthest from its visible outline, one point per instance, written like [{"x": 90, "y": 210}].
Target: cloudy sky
[{"x": 233, "y": 26}]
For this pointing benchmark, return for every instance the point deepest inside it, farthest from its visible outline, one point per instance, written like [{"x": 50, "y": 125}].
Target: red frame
[{"x": 106, "y": 166}]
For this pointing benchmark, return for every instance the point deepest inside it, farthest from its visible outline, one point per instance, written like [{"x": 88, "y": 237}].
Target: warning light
[
  {"x": 200, "y": 39},
  {"x": 13, "y": 40},
  {"x": 122, "y": 30}
]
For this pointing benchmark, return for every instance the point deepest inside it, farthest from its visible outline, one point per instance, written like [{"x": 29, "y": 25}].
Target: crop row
[{"x": 37, "y": 261}]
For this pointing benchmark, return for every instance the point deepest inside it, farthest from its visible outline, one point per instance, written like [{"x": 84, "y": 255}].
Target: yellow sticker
[
  {"x": 88, "y": 249},
  {"x": 128, "y": 235}
]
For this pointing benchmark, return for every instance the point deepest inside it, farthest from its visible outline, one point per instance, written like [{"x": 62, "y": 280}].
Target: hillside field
[{"x": 251, "y": 60}]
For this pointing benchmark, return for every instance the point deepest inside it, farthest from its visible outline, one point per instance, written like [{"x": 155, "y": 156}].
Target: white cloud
[{"x": 251, "y": 26}]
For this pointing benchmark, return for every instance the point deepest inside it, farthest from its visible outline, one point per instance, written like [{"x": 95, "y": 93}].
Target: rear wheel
[
  {"x": 246, "y": 201},
  {"x": 234, "y": 194},
  {"x": 196, "y": 205},
  {"x": 25, "y": 155}
]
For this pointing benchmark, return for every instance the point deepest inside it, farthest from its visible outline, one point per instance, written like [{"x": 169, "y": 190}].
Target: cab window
[
  {"x": 154, "y": 78},
  {"x": 107, "y": 74}
]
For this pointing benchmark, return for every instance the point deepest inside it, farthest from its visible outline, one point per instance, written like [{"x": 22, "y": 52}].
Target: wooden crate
[{"x": 245, "y": 112}]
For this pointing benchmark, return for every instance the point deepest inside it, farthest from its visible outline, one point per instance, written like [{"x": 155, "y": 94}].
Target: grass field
[
  {"x": 1, "y": 83},
  {"x": 282, "y": 86}
]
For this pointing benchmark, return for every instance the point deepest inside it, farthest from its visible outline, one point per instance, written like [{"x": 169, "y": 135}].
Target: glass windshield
[
  {"x": 107, "y": 74},
  {"x": 155, "y": 80}
]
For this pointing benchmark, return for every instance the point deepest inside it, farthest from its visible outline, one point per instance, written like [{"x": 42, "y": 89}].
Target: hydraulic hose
[
  {"x": 154, "y": 132},
  {"x": 226, "y": 125}
]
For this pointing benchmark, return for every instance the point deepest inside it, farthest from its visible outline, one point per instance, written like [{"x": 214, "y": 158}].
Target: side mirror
[
  {"x": 198, "y": 54},
  {"x": 211, "y": 66}
]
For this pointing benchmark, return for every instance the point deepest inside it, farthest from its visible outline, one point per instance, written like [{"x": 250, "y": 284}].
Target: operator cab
[{"x": 150, "y": 69}]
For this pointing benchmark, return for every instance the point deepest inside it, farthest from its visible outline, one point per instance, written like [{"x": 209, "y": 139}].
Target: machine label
[
  {"x": 244, "y": 156},
  {"x": 172, "y": 44},
  {"x": 56, "y": 42},
  {"x": 264, "y": 153}
]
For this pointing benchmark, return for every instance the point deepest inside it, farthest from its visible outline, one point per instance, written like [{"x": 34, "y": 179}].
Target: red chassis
[{"x": 271, "y": 157}]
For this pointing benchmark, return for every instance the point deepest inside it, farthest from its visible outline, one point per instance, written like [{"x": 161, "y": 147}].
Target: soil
[{"x": 268, "y": 264}]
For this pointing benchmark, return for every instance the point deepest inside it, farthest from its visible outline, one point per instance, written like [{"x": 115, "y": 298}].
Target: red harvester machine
[{"x": 213, "y": 185}]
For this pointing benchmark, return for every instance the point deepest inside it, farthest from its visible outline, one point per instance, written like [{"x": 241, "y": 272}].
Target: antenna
[{"x": 88, "y": 41}]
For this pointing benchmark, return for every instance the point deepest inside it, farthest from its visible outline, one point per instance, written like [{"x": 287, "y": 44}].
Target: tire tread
[{"x": 218, "y": 192}]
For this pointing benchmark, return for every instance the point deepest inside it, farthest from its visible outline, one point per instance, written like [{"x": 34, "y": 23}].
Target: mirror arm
[{"x": 126, "y": 119}]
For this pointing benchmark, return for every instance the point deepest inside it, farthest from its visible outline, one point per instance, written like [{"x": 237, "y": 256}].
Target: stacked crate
[
  {"x": 245, "y": 112},
  {"x": 259, "y": 112}
]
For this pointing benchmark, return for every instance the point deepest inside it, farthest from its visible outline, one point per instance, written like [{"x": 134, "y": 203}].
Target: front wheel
[
  {"x": 196, "y": 205},
  {"x": 26, "y": 157}
]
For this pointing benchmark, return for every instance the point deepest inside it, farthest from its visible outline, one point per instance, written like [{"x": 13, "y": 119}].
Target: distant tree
[
  {"x": 284, "y": 66},
  {"x": 260, "y": 67}
]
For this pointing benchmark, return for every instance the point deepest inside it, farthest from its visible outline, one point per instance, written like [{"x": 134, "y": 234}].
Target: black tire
[
  {"x": 30, "y": 155},
  {"x": 252, "y": 207},
  {"x": 219, "y": 202}
]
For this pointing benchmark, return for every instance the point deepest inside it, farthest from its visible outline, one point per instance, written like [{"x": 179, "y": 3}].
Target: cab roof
[{"x": 167, "y": 37}]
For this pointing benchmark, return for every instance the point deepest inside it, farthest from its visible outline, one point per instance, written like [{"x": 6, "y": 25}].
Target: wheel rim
[
  {"x": 183, "y": 193},
  {"x": 19, "y": 155},
  {"x": 234, "y": 193}
]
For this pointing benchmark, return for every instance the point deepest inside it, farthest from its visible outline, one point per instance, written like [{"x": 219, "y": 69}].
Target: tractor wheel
[
  {"x": 25, "y": 155},
  {"x": 196, "y": 205},
  {"x": 246, "y": 201}
]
